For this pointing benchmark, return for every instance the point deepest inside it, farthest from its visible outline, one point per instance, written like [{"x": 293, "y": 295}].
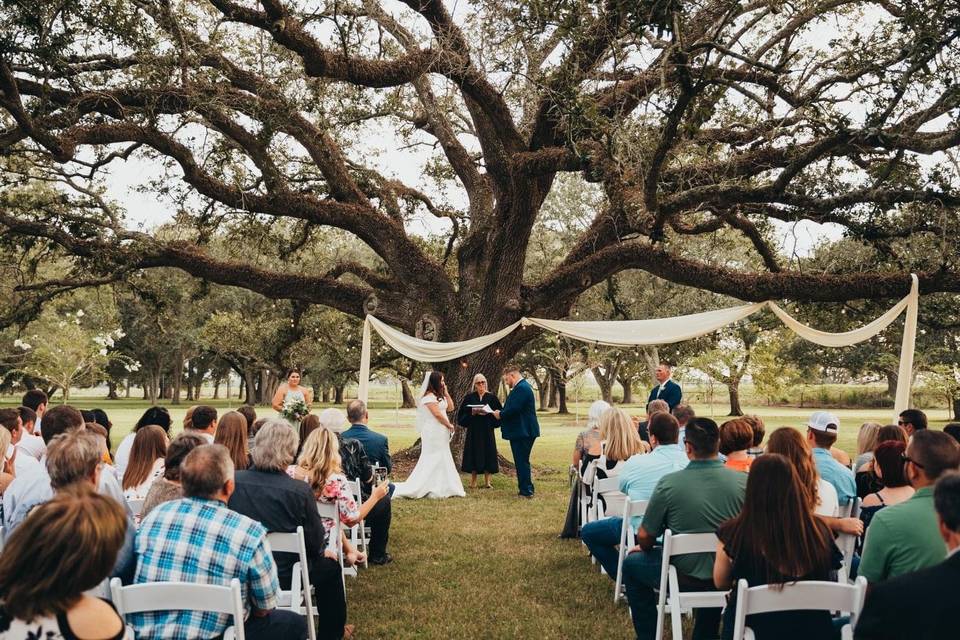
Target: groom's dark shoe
[
  {"x": 382, "y": 560},
  {"x": 526, "y": 495}
]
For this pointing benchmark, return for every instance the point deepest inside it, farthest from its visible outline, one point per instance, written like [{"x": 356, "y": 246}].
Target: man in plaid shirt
[{"x": 198, "y": 539}]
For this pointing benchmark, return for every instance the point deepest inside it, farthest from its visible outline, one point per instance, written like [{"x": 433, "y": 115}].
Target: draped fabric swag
[{"x": 626, "y": 333}]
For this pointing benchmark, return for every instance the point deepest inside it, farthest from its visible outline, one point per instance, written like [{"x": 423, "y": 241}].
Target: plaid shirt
[{"x": 202, "y": 541}]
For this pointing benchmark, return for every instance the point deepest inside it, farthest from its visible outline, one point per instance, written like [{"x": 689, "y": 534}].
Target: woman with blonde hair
[
  {"x": 866, "y": 443},
  {"x": 620, "y": 442},
  {"x": 63, "y": 549},
  {"x": 232, "y": 433},
  {"x": 146, "y": 462},
  {"x": 319, "y": 465}
]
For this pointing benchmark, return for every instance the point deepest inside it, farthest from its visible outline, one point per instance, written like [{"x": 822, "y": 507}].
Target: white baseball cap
[{"x": 824, "y": 421}]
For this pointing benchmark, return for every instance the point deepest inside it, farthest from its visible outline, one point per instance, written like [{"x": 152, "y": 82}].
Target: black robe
[{"x": 480, "y": 445}]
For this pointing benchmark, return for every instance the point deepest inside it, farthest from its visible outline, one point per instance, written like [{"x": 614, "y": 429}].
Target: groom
[{"x": 518, "y": 424}]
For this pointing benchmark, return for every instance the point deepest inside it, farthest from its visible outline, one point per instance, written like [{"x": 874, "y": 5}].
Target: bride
[{"x": 435, "y": 475}]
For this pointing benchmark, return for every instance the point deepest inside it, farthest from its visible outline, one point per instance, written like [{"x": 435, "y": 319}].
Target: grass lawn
[{"x": 489, "y": 565}]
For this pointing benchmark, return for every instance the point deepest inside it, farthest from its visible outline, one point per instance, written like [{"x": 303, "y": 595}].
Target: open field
[{"x": 489, "y": 565}]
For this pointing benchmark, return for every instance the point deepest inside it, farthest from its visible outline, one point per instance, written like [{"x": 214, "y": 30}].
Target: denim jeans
[
  {"x": 602, "y": 538},
  {"x": 641, "y": 574}
]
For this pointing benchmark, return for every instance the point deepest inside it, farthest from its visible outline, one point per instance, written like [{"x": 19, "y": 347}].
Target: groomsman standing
[
  {"x": 667, "y": 390},
  {"x": 518, "y": 424}
]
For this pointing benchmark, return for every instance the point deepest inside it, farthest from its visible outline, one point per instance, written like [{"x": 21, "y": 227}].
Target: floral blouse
[{"x": 335, "y": 490}]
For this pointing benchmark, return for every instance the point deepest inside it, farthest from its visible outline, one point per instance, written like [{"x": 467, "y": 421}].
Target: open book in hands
[{"x": 479, "y": 409}]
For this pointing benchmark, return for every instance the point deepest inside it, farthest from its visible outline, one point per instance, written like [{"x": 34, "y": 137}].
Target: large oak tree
[{"x": 691, "y": 117}]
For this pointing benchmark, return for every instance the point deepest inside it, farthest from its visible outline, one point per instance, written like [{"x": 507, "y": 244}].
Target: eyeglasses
[
  {"x": 902, "y": 423},
  {"x": 903, "y": 456}
]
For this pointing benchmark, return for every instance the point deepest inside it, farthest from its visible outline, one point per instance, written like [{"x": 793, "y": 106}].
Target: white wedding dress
[{"x": 435, "y": 475}]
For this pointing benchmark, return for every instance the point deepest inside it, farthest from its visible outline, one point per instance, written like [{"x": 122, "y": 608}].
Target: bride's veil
[{"x": 423, "y": 416}]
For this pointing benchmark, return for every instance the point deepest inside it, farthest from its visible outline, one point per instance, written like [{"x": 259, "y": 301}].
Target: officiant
[{"x": 480, "y": 445}]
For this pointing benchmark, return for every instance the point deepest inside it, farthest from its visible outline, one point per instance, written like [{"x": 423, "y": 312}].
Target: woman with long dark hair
[
  {"x": 154, "y": 415},
  {"x": 232, "y": 433},
  {"x": 435, "y": 475},
  {"x": 888, "y": 466},
  {"x": 146, "y": 462},
  {"x": 776, "y": 539}
]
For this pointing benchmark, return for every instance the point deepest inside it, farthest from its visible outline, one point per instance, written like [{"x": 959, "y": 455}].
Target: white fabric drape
[{"x": 655, "y": 331}]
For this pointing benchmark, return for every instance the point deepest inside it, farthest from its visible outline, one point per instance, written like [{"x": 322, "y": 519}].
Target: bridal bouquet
[{"x": 294, "y": 410}]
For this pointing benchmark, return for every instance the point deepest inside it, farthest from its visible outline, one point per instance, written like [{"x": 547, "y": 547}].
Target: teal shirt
[
  {"x": 839, "y": 476},
  {"x": 641, "y": 473},
  {"x": 695, "y": 500},
  {"x": 903, "y": 538}
]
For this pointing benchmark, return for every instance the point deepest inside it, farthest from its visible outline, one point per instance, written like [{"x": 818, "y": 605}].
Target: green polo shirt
[
  {"x": 695, "y": 500},
  {"x": 903, "y": 538}
]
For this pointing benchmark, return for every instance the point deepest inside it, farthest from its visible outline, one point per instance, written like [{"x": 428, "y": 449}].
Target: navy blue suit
[
  {"x": 375, "y": 444},
  {"x": 671, "y": 393},
  {"x": 519, "y": 425}
]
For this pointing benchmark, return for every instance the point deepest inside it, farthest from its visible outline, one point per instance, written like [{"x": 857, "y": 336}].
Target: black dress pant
[{"x": 379, "y": 522}]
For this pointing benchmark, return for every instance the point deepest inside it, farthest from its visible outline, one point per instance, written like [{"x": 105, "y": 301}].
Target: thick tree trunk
[
  {"x": 956, "y": 408},
  {"x": 627, "y": 391},
  {"x": 126, "y": 385},
  {"x": 606, "y": 385},
  {"x": 216, "y": 388},
  {"x": 338, "y": 394},
  {"x": 249, "y": 386},
  {"x": 112, "y": 390},
  {"x": 891, "y": 382},
  {"x": 326, "y": 395},
  {"x": 177, "y": 375},
  {"x": 543, "y": 393},
  {"x": 733, "y": 388},
  {"x": 406, "y": 394}
]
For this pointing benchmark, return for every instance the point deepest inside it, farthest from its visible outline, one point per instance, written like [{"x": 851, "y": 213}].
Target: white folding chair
[
  {"x": 3, "y": 538},
  {"x": 136, "y": 508},
  {"x": 671, "y": 598},
  {"x": 330, "y": 510},
  {"x": 359, "y": 534},
  {"x": 300, "y": 589},
  {"x": 585, "y": 497},
  {"x": 845, "y": 510},
  {"x": 609, "y": 490},
  {"x": 631, "y": 509},
  {"x": 847, "y": 543},
  {"x": 798, "y": 596},
  {"x": 182, "y": 596}
]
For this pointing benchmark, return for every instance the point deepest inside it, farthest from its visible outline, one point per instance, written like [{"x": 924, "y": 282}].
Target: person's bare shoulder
[{"x": 94, "y": 618}]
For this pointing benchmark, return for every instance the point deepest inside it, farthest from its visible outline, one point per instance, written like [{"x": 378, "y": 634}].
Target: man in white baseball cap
[{"x": 822, "y": 430}]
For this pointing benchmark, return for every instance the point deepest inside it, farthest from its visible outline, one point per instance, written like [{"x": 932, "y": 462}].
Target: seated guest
[
  {"x": 586, "y": 449},
  {"x": 921, "y": 605},
  {"x": 36, "y": 400},
  {"x": 638, "y": 478},
  {"x": 146, "y": 462},
  {"x": 776, "y": 539},
  {"x": 309, "y": 424},
  {"x": 65, "y": 548},
  {"x": 587, "y": 446},
  {"x": 375, "y": 444},
  {"x": 255, "y": 429},
  {"x": 319, "y": 466},
  {"x": 10, "y": 420},
  {"x": 158, "y": 416},
  {"x": 232, "y": 433},
  {"x": 99, "y": 418},
  {"x": 684, "y": 413},
  {"x": 188, "y": 418},
  {"x": 31, "y": 488},
  {"x": 866, "y": 443},
  {"x": 620, "y": 443},
  {"x": 694, "y": 500},
  {"x": 250, "y": 414},
  {"x": 888, "y": 463},
  {"x": 759, "y": 430},
  {"x": 953, "y": 430},
  {"x": 6, "y": 471},
  {"x": 356, "y": 466},
  {"x": 736, "y": 438},
  {"x": 822, "y": 430},
  {"x": 198, "y": 539},
  {"x": 654, "y": 406},
  {"x": 912, "y": 420},
  {"x": 267, "y": 494},
  {"x": 30, "y": 443},
  {"x": 168, "y": 486},
  {"x": 906, "y": 537},
  {"x": 203, "y": 421},
  {"x": 103, "y": 437},
  {"x": 866, "y": 477}
]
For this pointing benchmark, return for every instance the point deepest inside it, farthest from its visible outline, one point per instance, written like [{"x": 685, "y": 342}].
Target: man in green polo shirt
[
  {"x": 694, "y": 500},
  {"x": 906, "y": 536}
]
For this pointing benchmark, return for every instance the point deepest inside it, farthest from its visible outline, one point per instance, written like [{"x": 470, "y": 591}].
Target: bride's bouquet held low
[{"x": 294, "y": 410}]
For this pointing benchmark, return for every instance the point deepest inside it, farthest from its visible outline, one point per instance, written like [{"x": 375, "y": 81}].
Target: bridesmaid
[
  {"x": 480, "y": 446},
  {"x": 290, "y": 390}
]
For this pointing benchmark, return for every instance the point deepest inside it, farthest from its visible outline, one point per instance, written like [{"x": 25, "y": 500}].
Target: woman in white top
[
  {"x": 67, "y": 546},
  {"x": 146, "y": 462},
  {"x": 435, "y": 475},
  {"x": 154, "y": 415}
]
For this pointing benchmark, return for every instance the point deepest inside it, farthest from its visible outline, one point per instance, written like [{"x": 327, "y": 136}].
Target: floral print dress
[{"x": 335, "y": 490}]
